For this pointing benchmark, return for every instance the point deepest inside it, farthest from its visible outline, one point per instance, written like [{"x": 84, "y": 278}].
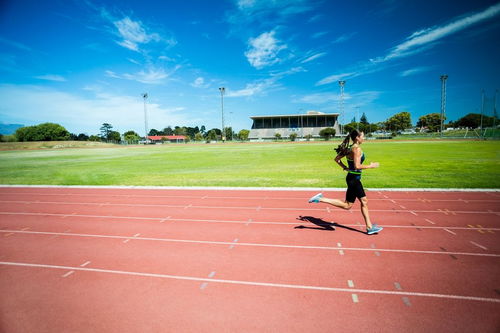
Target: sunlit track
[
  {"x": 277, "y": 198},
  {"x": 101, "y": 204},
  {"x": 256, "y": 283},
  {"x": 233, "y": 221},
  {"x": 331, "y": 248}
]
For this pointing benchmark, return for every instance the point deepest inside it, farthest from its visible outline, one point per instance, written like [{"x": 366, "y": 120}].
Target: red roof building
[{"x": 171, "y": 138}]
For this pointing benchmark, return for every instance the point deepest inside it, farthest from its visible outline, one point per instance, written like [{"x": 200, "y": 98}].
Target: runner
[{"x": 355, "y": 158}]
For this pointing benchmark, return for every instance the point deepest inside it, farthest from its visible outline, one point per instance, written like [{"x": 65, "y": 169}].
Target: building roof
[
  {"x": 309, "y": 114},
  {"x": 168, "y": 137}
]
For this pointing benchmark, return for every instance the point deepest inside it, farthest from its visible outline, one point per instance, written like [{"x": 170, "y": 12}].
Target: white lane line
[
  {"x": 256, "y": 244},
  {"x": 451, "y": 232},
  {"x": 261, "y": 284},
  {"x": 68, "y": 274},
  {"x": 392, "y": 201},
  {"x": 478, "y": 245},
  {"x": 430, "y": 221},
  {"x": 234, "y": 242},
  {"x": 412, "y": 212},
  {"x": 85, "y": 264}
]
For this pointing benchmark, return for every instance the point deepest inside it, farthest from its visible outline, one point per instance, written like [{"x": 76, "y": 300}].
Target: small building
[
  {"x": 170, "y": 138},
  {"x": 311, "y": 123}
]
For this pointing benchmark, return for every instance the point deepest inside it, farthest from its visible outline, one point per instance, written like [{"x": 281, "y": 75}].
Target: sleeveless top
[{"x": 350, "y": 163}]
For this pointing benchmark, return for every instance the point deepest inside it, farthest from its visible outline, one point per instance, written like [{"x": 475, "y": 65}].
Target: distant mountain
[{"x": 7, "y": 129}]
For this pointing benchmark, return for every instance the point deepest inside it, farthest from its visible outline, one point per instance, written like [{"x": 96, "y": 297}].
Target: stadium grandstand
[{"x": 310, "y": 123}]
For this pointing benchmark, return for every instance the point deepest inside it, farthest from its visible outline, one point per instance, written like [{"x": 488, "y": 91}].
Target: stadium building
[{"x": 311, "y": 123}]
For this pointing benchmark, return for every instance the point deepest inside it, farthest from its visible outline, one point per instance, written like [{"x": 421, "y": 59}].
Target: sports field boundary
[{"x": 223, "y": 188}]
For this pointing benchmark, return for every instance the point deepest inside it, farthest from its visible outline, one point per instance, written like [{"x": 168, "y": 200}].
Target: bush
[
  {"x": 327, "y": 133},
  {"x": 42, "y": 132},
  {"x": 293, "y": 136}
]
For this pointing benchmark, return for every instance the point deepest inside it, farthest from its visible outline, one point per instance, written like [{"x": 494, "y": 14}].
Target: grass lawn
[{"x": 429, "y": 164}]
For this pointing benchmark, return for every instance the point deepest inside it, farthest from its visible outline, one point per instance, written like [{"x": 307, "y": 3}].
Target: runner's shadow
[{"x": 322, "y": 224}]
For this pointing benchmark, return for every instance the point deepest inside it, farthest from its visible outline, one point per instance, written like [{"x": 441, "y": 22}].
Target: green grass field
[{"x": 412, "y": 164}]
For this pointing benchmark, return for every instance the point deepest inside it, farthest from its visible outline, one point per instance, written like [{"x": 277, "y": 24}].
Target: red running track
[{"x": 136, "y": 260}]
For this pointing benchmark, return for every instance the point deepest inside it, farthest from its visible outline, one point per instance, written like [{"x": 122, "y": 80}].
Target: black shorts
[{"x": 354, "y": 188}]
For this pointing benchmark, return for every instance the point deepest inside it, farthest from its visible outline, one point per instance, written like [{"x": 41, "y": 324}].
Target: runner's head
[{"x": 357, "y": 137}]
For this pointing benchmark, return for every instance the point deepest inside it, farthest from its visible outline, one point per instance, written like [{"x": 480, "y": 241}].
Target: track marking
[
  {"x": 85, "y": 264},
  {"x": 126, "y": 240},
  {"x": 412, "y": 212},
  {"x": 68, "y": 274},
  {"x": 341, "y": 252},
  {"x": 397, "y": 286},
  {"x": 24, "y": 229},
  {"x": 355, "y": 298},
  {"x": 377, "y": 253},
  {"x": 430, "y": 221},
  {"x": 256, "y": 244},
  {"x": 339, "y": 244},
  {"x": 137, "y": 235},
  {"x": 233, "y": 243},
  {"x": 478, "y": 245},
  {"x": 248, "y": 222},
  {"x": 451, "y": 232},
  {"x": 350, "y": 283},
  {"x": 406, "y": 300},
  {"x": 9, "y": 234}
]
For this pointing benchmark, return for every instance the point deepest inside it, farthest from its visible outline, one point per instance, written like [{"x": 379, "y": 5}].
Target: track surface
[{"x": 135, "y": 260}]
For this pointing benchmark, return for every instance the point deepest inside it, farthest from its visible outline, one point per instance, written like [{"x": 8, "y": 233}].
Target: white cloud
[
  {"x": 51, "y": 77},
  {"x": 344, "y": 38},
  {"x": 199, "y": 82},
  {"x": 417, "y": 42},
  {"x": 356, "y": 99},
  {"x": 31, "y": 105},
  {"x": 313, "y": 57},
  {"x": 421, "y": 38},
  {"x": 319, "y": 34},
  {"x": 334, "y": 78},
  {"x": 255, "y": 88},
  {"x": 263, "y": 50},
  {"x": 152, "y": 75},
  {"x": 414, "y": 71},
  {"x": 133, "y": 33}
]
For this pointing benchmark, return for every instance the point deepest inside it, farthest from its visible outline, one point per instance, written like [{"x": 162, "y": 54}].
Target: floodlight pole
[
  {"x": 145, "y": 97},
  {"x": 341, "y": 84},
  {"x": 495, "y": 110},
  {"x": 443, "y": 100},
  {"x": 222, "y": 91},
  {"x": 482, "y": 112},
  {"x": 357, "y": 118}
]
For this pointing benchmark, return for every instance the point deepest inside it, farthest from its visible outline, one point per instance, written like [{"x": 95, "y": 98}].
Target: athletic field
[{"x": 404, "y": 164}]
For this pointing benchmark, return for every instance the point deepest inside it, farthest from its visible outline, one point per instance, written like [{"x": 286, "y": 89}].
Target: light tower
[
  {"x": 443, "y": 100},
  {"x": 145, "y": 97},
  {"x": 222, "y": 91},
  {"x": 341, "y": 84}
]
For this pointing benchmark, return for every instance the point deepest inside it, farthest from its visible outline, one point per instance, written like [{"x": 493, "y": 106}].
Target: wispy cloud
[
  {"x": 81, "y": 114},
  {"x": 357, "y": 99},
  {"x": 133, "y": 33},
  {"x": 51, "y": 77},
  {"x": 413, "y": 71},
  {"x": 15, "y": 44},
  {"x": 344, "y": 37},
  {"x": 152, "y": 75},
  {"x": 199, "y": 82},
  {"x": 263, "y": 50},
  {"x": 313, "y": 57},
  {"x": 417, "y": 42},
  {"x": 319, "y": 34}
]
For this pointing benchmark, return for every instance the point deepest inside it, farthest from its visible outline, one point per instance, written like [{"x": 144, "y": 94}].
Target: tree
[
  {"x": 228, "y": 133},
  {"x": 43, "y": 132},
  {"x": 211, "y": 135},
  {"x": 83, "y": 137},
  {"x": 473, "y": 120},
  {"x": 293, "y": 136},
  {"x": 277, "y": 136},
  {"x": 243, "y": 134},
  {"x": 363, "y": 119},
  {"x": 198, "y": 136},
  {"x": 168, "y": 131},
  {"x": 94, "y": 138},
  {"x": 131, "y": 136},
  {"x": 432, "y": 121},
  {"x": 327, "y": 133},
  {"x": 399, "y": 121},
  {"x": 203, "y": 130},
  {"x": 114, "y": 136},
  {"x": 105, "y": 129},
  {"x": 154, "y": 132}
]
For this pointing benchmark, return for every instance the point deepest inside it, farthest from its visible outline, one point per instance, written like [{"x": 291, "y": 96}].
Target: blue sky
[{"x": 83, "y": 63}]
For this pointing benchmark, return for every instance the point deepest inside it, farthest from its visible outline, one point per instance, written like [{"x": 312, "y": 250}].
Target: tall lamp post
[
  {"x": 443, "y": 100},
  {"x": 145, "y": 97},
  {"x": 341, "y": 84},
  {"x": 222, "y": 91}
]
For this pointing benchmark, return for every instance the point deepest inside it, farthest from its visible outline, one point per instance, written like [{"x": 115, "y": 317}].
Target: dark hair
[{"x": 343, "y": 148}]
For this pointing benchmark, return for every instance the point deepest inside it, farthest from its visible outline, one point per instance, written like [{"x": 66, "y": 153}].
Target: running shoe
[
  {"x": 316, "y": 198},
  {"x": 375, "y": 229}
]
